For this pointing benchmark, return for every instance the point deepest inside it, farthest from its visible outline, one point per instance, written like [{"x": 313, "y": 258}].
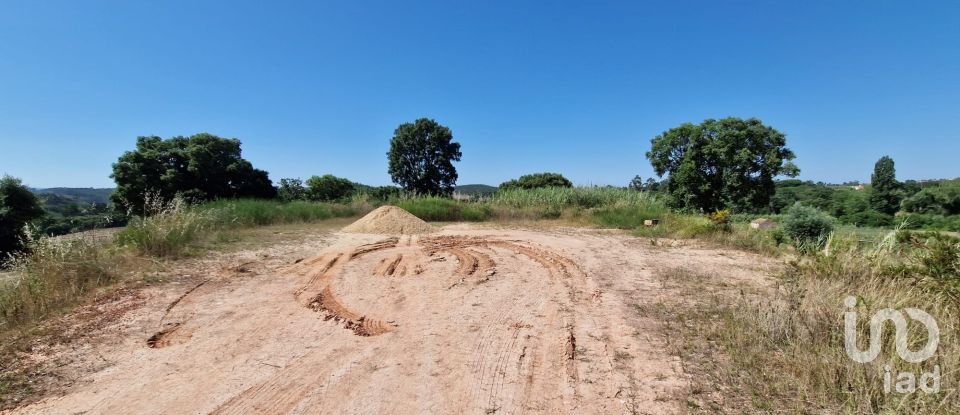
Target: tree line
[{"x": 726, "y": 164}]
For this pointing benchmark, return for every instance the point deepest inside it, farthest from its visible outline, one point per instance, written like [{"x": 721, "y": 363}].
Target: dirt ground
[{"x": 471, "y": 319}]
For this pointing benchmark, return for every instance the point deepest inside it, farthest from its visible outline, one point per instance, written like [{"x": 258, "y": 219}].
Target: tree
[
  {"x": 720, "y": 164},
  {"x": 651, "y": 185},
  {"x": 18, "y": 207},
  {"x": 328, "y": 187},
  {"x": 291, "y": 189},
  {"x": 421, "y": 157},
  {"x": 537, "y": 180},
  {"x": 200, "y": 167},
  {"x": 884, "y": 189},
  {"x": 636, "y": 183}
]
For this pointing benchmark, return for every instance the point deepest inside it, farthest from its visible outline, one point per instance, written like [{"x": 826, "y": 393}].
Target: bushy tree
[
  {"x": 884, "y": 189},
  {"x": 18, "y": 207},
  {"x": 636, "y": 183},
  {"x": 291, "y": 189},
  {"x": 328, "y": 187},
  {"x": 421, "y": 157},
  {"x": 719, "y": 164},
  {"x": 807, "y": 226},
  {"x": 199, "y": 167},
  {"x": 934, "y": 200},
  {"x": 537, "y": 180}
]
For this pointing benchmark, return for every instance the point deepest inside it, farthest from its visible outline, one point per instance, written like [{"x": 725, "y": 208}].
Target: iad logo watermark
[{"x": 906, "y": 382}]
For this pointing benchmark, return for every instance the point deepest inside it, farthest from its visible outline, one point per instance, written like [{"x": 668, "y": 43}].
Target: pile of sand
[{"x": 389, "y": 220}]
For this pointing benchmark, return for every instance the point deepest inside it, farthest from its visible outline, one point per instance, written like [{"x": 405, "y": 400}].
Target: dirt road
[{"x": 468, "y": 320}]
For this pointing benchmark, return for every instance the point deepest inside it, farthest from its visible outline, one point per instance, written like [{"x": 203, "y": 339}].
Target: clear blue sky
[{"x": 318, "y": 87}]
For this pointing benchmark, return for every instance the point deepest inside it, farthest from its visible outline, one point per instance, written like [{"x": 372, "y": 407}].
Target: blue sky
[{"x": 574, "y": 87}]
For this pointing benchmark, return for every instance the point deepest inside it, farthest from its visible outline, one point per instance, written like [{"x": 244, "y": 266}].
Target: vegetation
[
  {"x": 78, "y": 195},
  {"x": 190, "y": 191},
  {"x": 884, "y": 192},
  {"x": 731, "y": 341},
  {"x": 443, "y": 209},
  {"x": 18, "y": 207},
  {"x": 291, "y": 189},
  {"x": 807, "y": 227},
  {"x": 54, "y": 274},
  {"x": 536, "y": 181},
  {"x": 421, "y": 158},
  {"x": 197, "y": 168},
  {"x": 172, "y": 228},
  {"x": 940, "y": 200},
  {"x": 718, "y": 164},
  {"x": 328, "y": 188},
  {"x": 475, "y": 189}
]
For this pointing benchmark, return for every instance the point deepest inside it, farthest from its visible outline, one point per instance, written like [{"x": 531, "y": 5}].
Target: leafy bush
[
  {"x": 807, "y": 227},
  {"x": 536, "y": 181},
  {"x": 328, "y": 188},
  {"x": 291, "y": 189},
  {"x": 18, "y": 206},
  {"x": 942, "y": 200},
  {"x": 869, "y": 218},
  {"x": 720, "y": 219}
]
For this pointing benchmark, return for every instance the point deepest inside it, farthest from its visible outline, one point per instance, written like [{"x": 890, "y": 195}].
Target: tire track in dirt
[
  {"x": 328, "y": 304},
  {"x": 171, "y": 333}
]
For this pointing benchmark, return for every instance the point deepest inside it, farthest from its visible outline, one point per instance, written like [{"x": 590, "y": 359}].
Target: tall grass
[
  {"x": 442, "y": 209},
  {"x": 173, "y": 227},
  {"x": 580, "y": 197},
  {"x": 56, "y": 272},
  {"x": 784, "y": 349}
]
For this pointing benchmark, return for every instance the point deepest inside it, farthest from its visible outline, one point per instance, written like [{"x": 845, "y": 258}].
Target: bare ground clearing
[{"x": 466, "y": 320}]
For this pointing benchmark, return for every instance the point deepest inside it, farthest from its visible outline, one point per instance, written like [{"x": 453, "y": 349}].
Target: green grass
[
  {"x": 567, "y": 197},
  {"x": 252, "y": 212},
  {"x": 629, "y": 217},
  {"x": 446, "y": 210}
]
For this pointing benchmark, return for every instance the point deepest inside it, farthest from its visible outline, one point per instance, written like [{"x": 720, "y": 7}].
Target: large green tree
[
  {"x": 18, "y": 207},
  {"x": 421, "y": 157},
  {"x": 884, "y": 189},
  {"x": 718, "y": 164},
  {"x": 537, "y": 180},
  {"x": 199, "y": 167}
]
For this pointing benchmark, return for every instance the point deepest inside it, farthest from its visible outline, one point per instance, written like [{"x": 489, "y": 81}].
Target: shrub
[
  {"x": 329, "y": 188},
  {"x": 536, "y": 181},
  {"x": 18, "y": 206},
  {"x": 291, "y": 189},
  {"x": 807, "y": 227},
  {"x": 720, "y": 219}
]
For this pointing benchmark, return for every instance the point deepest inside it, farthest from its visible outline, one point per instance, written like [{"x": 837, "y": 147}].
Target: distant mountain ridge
[{"x": 81, "y": 195}]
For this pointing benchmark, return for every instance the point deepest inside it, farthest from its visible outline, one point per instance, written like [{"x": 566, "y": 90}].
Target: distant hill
[
  {"x": 80, "y": 195},
  {"x": 475, "y": 189}
]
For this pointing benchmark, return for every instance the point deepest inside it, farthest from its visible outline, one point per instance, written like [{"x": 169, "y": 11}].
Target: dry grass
[
  {"x": 781, "y": 349},
  {"x": 54, "y": 274}
]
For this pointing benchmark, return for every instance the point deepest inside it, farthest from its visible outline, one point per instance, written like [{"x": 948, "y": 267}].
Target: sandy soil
[{"x": 467, "y": 320}]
